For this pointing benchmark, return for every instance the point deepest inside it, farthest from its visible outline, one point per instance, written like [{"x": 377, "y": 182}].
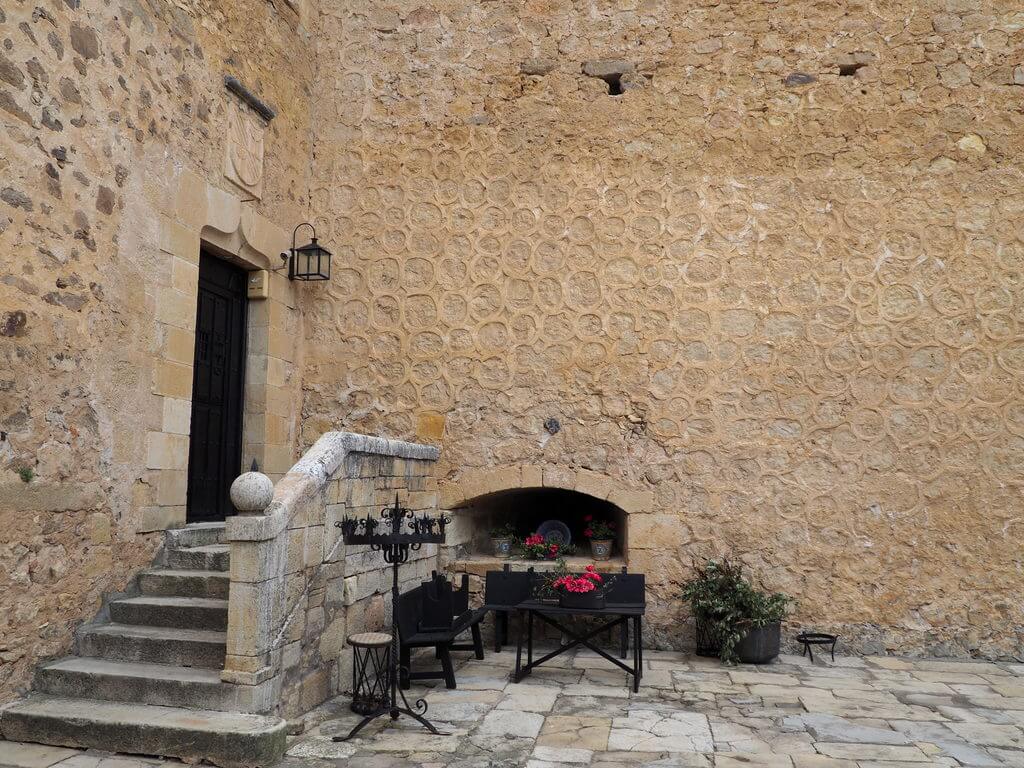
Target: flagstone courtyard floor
[{"x": 875, "y": 712}]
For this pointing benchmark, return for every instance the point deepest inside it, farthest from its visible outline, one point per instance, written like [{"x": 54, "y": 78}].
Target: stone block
[
  {"x": 176, "y": 308},
  {"x": 177, "y": 415},
  {"x": 184, "y": 276},
  {"x": 171, "y": 487},
  {"x": 223, "y": 210},
  {"x": 422, "y": 500},
  {"x": 607, "y": 67},
  {"x": 559, "y": 477},
  {"x": 632, "y": 501},
  {"x": 332, "y": 641},
  {"x": 593, "y": 484},
  {"x": 314, "y": 546},
  {"x": 190, "y": 200},
  {"x": 165, "y": 451},
  {"x": 255, "y": 612},
  {"x": 350, "y": 590},
  {"x": 531, "y": 476},
  {"x": 256, "y": 561},
  {"x": 179, "y": 240},
  {"x": 449, "y": 494},
  {"x": 172, "y": 380},
  {"x": 179, "y": 345}
]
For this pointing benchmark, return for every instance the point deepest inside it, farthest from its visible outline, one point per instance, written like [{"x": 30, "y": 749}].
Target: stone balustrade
[{"x": 296, "y": 589}]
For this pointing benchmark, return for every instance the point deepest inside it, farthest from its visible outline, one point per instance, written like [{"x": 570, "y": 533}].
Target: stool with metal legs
[{"x": 371, "y": 660}]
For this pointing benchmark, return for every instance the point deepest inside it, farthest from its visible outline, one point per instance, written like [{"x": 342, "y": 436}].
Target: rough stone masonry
[{"x": 762, "y": 260}]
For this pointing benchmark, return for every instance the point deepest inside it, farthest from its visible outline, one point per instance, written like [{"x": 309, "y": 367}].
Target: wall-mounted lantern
[{"x": 308, "y": 262}]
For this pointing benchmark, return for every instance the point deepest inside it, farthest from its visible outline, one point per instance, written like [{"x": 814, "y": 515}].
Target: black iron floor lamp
[{"x": 401, "y": 532}]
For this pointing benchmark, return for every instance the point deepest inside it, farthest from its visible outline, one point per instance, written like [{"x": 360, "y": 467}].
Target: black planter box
[
  {"x": 761, "y": 645},
  {"x": 581, "y": 600}
]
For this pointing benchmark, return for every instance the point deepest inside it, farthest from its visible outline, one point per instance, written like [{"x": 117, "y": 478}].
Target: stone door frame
[{"x": 208, "y": 218}]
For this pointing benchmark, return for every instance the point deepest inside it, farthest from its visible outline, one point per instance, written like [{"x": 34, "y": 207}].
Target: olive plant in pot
[
  {"x": 735, "y": 620},
  {"x": 502, "y": 539}
]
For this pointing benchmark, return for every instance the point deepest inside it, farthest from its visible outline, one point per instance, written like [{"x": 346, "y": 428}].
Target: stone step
[
  {"x": 208, "y": 557},
  {"x": 224, "y": 738},
  {"x": 159, "y": 611},
  {"x": 156, "y": 645},
  {"x": 81, "y": 677},
  {"x": 194, "y": 535},
  {"x": 184, "y": 583}
]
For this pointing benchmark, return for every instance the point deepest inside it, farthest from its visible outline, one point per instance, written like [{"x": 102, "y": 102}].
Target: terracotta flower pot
[
  {"x": 502, "y": 547},
  {"x": 601, "y": 549}
]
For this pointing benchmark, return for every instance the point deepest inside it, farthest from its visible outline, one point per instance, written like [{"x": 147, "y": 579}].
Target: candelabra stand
[{"x": 398, "y": 532}]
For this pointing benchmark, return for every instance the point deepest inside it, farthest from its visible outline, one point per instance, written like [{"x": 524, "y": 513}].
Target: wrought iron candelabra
[{"x": 396, "y": 534}]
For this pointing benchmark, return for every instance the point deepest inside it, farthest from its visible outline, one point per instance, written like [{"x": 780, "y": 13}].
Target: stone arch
[
  {"x": 481, "y": 497},
  {"x": 474, "y": 482}
]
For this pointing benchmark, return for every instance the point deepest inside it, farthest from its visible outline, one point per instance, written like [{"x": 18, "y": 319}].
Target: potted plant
[
  {"x": 536, "y": 548},
  {"x": 601, "y": 534},
  {"x": 734, "y": 619},
  {"x": 586, "y": 590},
  {"x": 502, "y": 539}
]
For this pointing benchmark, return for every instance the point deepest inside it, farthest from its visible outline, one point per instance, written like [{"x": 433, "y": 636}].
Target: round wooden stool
[{"x": 370, "y": 664}]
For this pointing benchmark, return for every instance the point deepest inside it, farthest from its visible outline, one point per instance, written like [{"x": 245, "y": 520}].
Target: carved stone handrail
[{"x": 257, "y": 602}]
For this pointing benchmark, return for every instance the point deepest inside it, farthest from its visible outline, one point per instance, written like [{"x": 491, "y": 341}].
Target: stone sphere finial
[{"x": 252, "y": 492}]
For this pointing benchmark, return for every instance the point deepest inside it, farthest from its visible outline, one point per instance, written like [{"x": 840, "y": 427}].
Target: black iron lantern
[{"x": 308, "y": 262}]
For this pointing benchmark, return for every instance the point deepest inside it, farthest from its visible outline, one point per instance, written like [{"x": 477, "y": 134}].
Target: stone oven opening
[{"x": 528, "y": 508}]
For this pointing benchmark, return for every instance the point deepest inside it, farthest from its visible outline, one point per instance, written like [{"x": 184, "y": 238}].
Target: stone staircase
[{"x": 146, "y": 678}]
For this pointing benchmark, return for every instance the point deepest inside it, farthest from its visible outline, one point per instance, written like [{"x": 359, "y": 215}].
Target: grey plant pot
[{"x": 761, "y": 645}]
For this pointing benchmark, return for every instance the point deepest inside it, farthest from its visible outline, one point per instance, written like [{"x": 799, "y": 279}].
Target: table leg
[
  {"x": 623, "y": 639},
  {"x": 639, "y": 639},
  {"x": 519, "y": 652},
  {"x": 636, "y": 659},
  {"x": 529, "y": 638}
]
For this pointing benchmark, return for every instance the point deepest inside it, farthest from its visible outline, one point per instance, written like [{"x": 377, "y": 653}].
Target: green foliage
[
  {"x": 544, "y": 585},
  {"x": 729, "y": 605},
  {"x": 26, "y": 474},
  {"x": 506, "y": 531}
]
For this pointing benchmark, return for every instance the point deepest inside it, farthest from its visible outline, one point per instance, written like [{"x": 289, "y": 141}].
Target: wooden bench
[{"x": 434, "y": 615}]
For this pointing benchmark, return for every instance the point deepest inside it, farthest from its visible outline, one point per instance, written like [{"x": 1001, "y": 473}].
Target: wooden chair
[
  {"x": 426, "y": 618},
  {"x": 503, "y": 591}
]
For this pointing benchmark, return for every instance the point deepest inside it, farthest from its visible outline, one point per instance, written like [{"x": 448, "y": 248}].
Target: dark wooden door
[{"x": 215, "y": 442}]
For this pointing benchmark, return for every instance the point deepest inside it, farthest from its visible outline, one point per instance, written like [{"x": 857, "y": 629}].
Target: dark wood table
[{"x": 616, "y": 614}]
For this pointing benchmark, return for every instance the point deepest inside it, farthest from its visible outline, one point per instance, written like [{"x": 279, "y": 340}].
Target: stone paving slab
[{"x": 690, "y": 712}]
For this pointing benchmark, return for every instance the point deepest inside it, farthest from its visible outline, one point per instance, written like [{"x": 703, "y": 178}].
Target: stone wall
[
  {"x": 777, "y": 282},
  {"x": 120, "y": 152},
  {"x": 297, "y": 591}
]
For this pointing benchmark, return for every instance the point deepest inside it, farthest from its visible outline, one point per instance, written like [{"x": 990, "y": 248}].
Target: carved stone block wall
[{"x": 776, "y": 283}]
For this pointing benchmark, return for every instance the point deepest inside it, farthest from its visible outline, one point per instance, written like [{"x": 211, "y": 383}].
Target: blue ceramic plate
[{"x": 555, "y": 532}]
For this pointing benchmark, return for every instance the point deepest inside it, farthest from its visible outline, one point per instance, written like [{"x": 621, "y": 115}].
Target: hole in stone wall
[
  {"x": 849, "y": 70},
  {"x": 527, "y": 508},
  {"x": 614, "y": 84}
]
